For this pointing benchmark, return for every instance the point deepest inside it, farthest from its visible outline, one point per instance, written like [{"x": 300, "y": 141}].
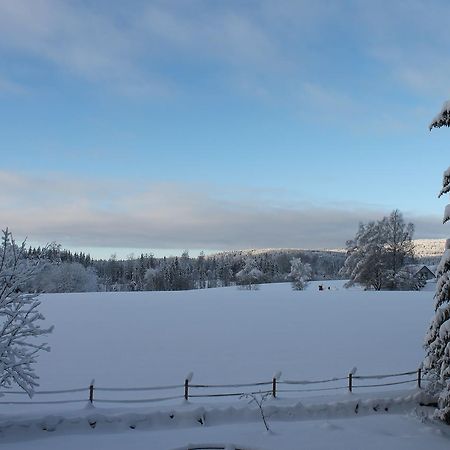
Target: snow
[
  {"x": 228, "y": 335},
  {"x": 445, "y": 183},
  {"x": 225, "y": 336},
  {"x": 424, "y": 248},
  {"x": 388, "y": 431},
  {"x": 445, "y": 260},
  {"x": 368, "y": 433},
  {"x": 446, "y": 214}
]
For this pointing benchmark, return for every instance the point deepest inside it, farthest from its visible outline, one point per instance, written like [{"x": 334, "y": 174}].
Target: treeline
[
  {"x": 54, "y": 253},
  {"x": 61, "y": 271},
  {"x": 78, "y": 272},
  {"x": 224, "y": 269}
]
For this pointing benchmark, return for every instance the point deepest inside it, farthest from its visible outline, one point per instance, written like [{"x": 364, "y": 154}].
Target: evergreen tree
[{"x": 437, "y": 341}]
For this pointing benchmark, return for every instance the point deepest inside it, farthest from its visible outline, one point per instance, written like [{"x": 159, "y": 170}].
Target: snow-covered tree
[
  {"x": 378, "y": 253},
  {"x": 437, "y": 340},
  {"x": 250, "y": 275},
  {"x": 65, "y": 277},
  {"x": 19, "y": 317},
  {"x": 300, "y": 274},
  {"x": 152, "y": 279},
  {"x": 399, "y": 247},
  {"x": 364, "y": 264}
]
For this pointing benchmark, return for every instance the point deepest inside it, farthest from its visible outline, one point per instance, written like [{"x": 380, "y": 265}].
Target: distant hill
[
  {"x": 429, "y": 248},
  {"x": 424, "y": 248},
  {"x": 428, "y": 251}
]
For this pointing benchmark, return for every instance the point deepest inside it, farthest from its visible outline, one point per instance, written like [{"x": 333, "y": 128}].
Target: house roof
[{"x": 424, "y": 268}]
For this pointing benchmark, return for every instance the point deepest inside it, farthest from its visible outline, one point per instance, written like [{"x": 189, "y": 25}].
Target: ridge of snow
[{"x": 189, "y": 415}]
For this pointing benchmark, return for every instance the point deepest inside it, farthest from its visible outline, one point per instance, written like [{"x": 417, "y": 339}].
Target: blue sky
[{"x": 201, "y": 124}]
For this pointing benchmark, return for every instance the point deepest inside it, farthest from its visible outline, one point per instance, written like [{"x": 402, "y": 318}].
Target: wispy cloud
[
  {"x": 327, "y": 101},
  {"x": 286, "y": 52},
  {"x": 148, "y": 49},
  {"x": 133, "y": 49},
  {"x": 171, "y": 215},
  {"x": 10, "y": 87},
  {"x": 224, "y": 35},
  {"x": 411, "y": 39},
  {"x": 84, "y": 42}
]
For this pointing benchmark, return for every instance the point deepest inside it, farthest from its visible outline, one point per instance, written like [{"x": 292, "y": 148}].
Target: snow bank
[{"x": 194, "y": 416}]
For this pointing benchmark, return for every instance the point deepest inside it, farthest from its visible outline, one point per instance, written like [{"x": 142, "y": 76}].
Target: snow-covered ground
[
  {"x": 228, "y": 336},
  {"x": 387, "y": 432}
]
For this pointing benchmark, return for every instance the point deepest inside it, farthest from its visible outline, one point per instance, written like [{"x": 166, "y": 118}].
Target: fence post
[
  {"x": 186, "y": 384},
  {"x": 91, "y": 392},
  {"x": 419, "y": 378},
  {"x": 276, "y": 377},
  {"x": 186, "y": 389},
  {"x": 350, "y": 382}
]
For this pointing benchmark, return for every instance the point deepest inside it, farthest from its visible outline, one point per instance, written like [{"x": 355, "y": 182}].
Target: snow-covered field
[{"x": 229, "y": 336}]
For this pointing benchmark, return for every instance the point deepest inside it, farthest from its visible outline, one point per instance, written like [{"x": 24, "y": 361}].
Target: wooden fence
[{"x": 189, "y": 390}]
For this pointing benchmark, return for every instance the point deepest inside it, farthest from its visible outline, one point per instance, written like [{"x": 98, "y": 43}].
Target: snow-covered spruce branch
[{"x": 19, "y": 317}]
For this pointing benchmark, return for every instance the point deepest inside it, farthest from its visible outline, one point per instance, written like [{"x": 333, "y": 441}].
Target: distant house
[{"x": 424, "y": 273}]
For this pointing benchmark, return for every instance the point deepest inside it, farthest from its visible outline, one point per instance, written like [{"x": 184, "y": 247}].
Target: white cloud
[
  {"x": 273, "y": 51},
  {"x": 147, "y": 48},
  {"x": 170, "y": 215},
  {"x": 129, "y": 47},
  {"x": 81, "y": 41}
]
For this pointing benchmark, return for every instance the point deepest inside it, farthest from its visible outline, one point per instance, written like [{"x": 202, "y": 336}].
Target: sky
[{"x": 166, "y": 125}]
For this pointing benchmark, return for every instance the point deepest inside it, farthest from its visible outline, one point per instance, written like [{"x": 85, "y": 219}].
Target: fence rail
[{"x": 188, "y": 390}]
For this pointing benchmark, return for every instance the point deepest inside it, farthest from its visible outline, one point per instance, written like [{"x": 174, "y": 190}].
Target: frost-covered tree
[
  {"x": 152, "y": 279},
  {"x": 399, "y": 247},
  {"x": 437, "y": 340},
  {"x": 65, "y": 277},
  {"x": 200, "y": 271},
  {"x": 250, "y": 275},
  {"x": 300, "y": 274},
  {"x": 19, "y": 317},
  {"x": 377, "y": 255},
  {"x": 364, "y": 264}
]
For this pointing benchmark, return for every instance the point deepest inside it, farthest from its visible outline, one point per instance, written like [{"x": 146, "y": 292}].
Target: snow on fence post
[
  {"x": 274, "y": 384},
  {"x": 419, "y": 378},
  {"x": 91, "y": 392},
  {"x": 186, "y": 385}
]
